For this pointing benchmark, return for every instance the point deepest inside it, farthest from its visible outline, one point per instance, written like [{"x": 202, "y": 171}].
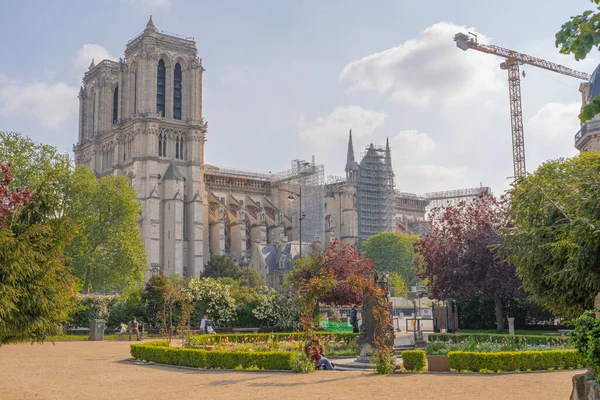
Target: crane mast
[{"x": 511, "y": 65}]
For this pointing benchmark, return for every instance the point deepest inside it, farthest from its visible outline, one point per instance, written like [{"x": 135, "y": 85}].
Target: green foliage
[
  {"x": 220, "y": 266},
  {"x": 384, "y": 362},
  {"x": 214, "y": 359},
  {"x": 301, "y": 364},
  {"x": 250, "y": 277},
  {"x": 517, "y": 340},
  {"x": 108, "y": 253},
  {"x": 36, "y": 290},
  {"x": 515, "y": 360},
  {"x": 324, "y": 337},
  {"x": 586, "y": 338},
  {"x": 414, "y": 360},
  {"x": 92, "y": 306},
  {"x": 124, "y": 310},
  {"x": 554, "y": 234},
  {"x": 155, "y": 294},
  {"x": 393, "y": 253},
  {"x": 397, "y": 285},
  {"x": 278, "y": 310},
  {"x": 578, "y": 37},
  {"x": 212, "y": 298}
]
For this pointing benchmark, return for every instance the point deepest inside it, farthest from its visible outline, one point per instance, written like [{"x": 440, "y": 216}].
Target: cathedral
[{"x": 141, "y": 117}]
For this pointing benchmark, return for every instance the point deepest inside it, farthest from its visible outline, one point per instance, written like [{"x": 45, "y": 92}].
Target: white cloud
[
  {"x": 429, "y": 177},
  {"x": 51, "y": 103},
  {"x": 413, "y": 142},
  {"x": 89, "y": 52},
  {"x": 428, "y": 70},
  {"x": 363, "y": 123}
]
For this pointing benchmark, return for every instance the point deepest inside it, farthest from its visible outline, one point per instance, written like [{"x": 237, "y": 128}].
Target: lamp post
[{"x": 302, "y": 215}]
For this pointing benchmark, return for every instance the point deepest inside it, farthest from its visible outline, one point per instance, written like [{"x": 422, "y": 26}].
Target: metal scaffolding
[
  {"x": 311, "y": 178},
  {"x": 453, "y": 197},
  {"x": 376, "y": 210}
]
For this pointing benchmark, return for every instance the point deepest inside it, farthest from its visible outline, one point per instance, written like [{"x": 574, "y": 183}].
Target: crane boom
[{"x": 513, "y": 60}]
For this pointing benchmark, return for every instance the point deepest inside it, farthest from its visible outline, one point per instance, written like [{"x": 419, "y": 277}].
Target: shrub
[
  {"x": 92, "y": 306},
  {"x": 414, "y": 360},
  {"x": 269, "y": 337},
  {"x": 586, "y": 338},
  {"x": 301, "y": 364},
  {"x": 515, "y": 360},
  {"x": 498, "y": 338},
  {"x": 384, "y": 362},
  {"x": 160, "y": 352}
]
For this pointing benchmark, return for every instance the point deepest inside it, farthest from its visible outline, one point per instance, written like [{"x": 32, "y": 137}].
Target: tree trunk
[
  {"x": 499, "y": 314},
  {"x": 86, "y": 285}
]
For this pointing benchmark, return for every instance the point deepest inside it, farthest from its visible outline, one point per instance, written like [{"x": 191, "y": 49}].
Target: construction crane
[{"x": 513, "y": 60}]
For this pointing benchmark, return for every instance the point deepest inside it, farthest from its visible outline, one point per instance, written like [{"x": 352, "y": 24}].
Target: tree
[
  {"x": 107, "y": 252},
  {"x": 553, "y": 236},
  {"x": 459, "y": 259},
  {"x": 278, "y": 310},
  {"x": 36, "y": 289},
  {"x": 397, "y": 285},
  {"x": 221, "y": 266},
  {"x": 212, "y": 298},
  {"x": 154, "y": 296},
  {"x": 578, "y": 37},
  {"x": 393, "y": 253},
  {"x": 250, "y": 277}
]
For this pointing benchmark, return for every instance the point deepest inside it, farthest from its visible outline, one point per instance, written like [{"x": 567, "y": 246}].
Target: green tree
[
  {"x": 250, "y": 277},
  {"x": 393, "y": 253},
  {"x": 578, "y": 37},
  {"x": 554, "y": 234},
  {"x": 107, "y": 252},
  {"x": 155, "y": 292},
  {"x": 397, "y": 285},
  {"x": 36, "y": 289},
  {"x": 220, "y": 266}
]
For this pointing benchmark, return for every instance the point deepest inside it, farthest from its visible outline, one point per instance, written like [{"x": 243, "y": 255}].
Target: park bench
[{"x": 240, "y": 330}]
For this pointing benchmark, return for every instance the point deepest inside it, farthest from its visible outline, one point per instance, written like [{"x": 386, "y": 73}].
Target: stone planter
[
  {"x": 585, "y": 387},
  {"x": 438, "y": 364}
]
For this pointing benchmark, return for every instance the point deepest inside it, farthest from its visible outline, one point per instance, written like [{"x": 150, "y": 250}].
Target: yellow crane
[{"x": 513, "y": 60}]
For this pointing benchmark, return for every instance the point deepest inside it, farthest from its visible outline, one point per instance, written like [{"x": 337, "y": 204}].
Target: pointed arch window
[
  {"x": 177, "y": 147},
  {"x": 177, "y": 82},
  {"x": 115, "y": 105},
  {"x": 160, "y": 88},
  {"x": 162, "y": 145}
]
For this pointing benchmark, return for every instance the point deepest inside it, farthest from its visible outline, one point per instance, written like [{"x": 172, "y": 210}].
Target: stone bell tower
[{"x": 141, "y": 117}]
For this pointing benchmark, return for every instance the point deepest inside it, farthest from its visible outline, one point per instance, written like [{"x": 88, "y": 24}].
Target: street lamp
[{"x": 292, "y": 198}]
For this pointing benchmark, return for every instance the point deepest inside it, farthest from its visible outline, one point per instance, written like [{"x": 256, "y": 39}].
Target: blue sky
[{"x": 287, "y": 79}]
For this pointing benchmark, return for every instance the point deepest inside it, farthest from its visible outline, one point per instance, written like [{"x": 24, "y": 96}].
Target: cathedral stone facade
[{"x": 141, "y": 118}]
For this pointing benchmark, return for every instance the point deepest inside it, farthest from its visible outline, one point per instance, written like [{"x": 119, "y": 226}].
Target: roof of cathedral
[
  {"x": 595, "y": 84},
  {"x": 173, "y": 172}
]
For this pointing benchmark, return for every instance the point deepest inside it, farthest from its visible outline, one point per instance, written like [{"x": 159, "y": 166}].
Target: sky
[{"x": 287, "y": 80}]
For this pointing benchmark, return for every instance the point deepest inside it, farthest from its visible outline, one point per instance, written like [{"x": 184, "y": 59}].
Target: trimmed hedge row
[
  {"x": 414, "y": 360},
  {"x": 496, "y": 338},
  {"x": 268, "y": 337},
  {"x": 515, "y": 360},
  {"x": 160, "y": 352}
]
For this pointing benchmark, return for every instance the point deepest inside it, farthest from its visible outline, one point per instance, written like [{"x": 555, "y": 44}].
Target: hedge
[
  {"x": 160, "y": 352},
  {"x": 515, "y": 360},
  {"x": 414, "y": 360},
  {"x": 268, "y": 337},
  {"x": 496, "y": 338}
]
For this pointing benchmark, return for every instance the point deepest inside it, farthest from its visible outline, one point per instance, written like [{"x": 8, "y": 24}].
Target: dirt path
[{"x": 104, "y": 370}]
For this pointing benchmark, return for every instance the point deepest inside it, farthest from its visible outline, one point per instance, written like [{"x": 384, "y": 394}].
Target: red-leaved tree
[{"x": 458, "y": 256}]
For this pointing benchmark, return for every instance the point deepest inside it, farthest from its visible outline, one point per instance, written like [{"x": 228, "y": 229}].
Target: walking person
[
  {"x": 354, "y": 319},
  {"x": 134, "y": 326},
  {"x": 314, "y": 351}
]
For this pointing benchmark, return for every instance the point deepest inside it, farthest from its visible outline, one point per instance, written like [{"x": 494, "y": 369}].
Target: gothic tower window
[
  {"x": 115, "y": 105},
  {"x": 162, "y": 145},
  {"x": 177, "y": 92},
  {"x": 135, "y": 92},
  {"x": 177, "y": 148},
  {"x": 160, "y": 88},
  {"x": 181, "y": 149}
]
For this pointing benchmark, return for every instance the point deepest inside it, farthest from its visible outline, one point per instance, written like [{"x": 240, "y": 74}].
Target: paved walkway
[{"x": 105, "y": 370}]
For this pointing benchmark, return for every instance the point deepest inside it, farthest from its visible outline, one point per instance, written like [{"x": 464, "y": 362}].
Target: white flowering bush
[
  {"x": 278, "y": 310},
  {"x": 212, "y": 298}
]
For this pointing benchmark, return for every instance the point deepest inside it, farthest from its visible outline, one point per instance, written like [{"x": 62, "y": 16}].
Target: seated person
[
  {"x": 133, "y": 326},
  {"x": 314, "y": 351},
  {"x": 206, "y": 325}
]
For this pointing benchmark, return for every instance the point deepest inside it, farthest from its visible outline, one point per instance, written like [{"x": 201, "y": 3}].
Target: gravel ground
[{"x": 105, "y": 370}]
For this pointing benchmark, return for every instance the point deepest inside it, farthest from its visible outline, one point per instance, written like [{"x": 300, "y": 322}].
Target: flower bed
[
  {"x": 522, "y": 340},
  {"x": 515, "y": 360},
  {"x": 443, "y": 348},
  {"x": 161, "y": 352},
  {"x": 270, "y": 337}
]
